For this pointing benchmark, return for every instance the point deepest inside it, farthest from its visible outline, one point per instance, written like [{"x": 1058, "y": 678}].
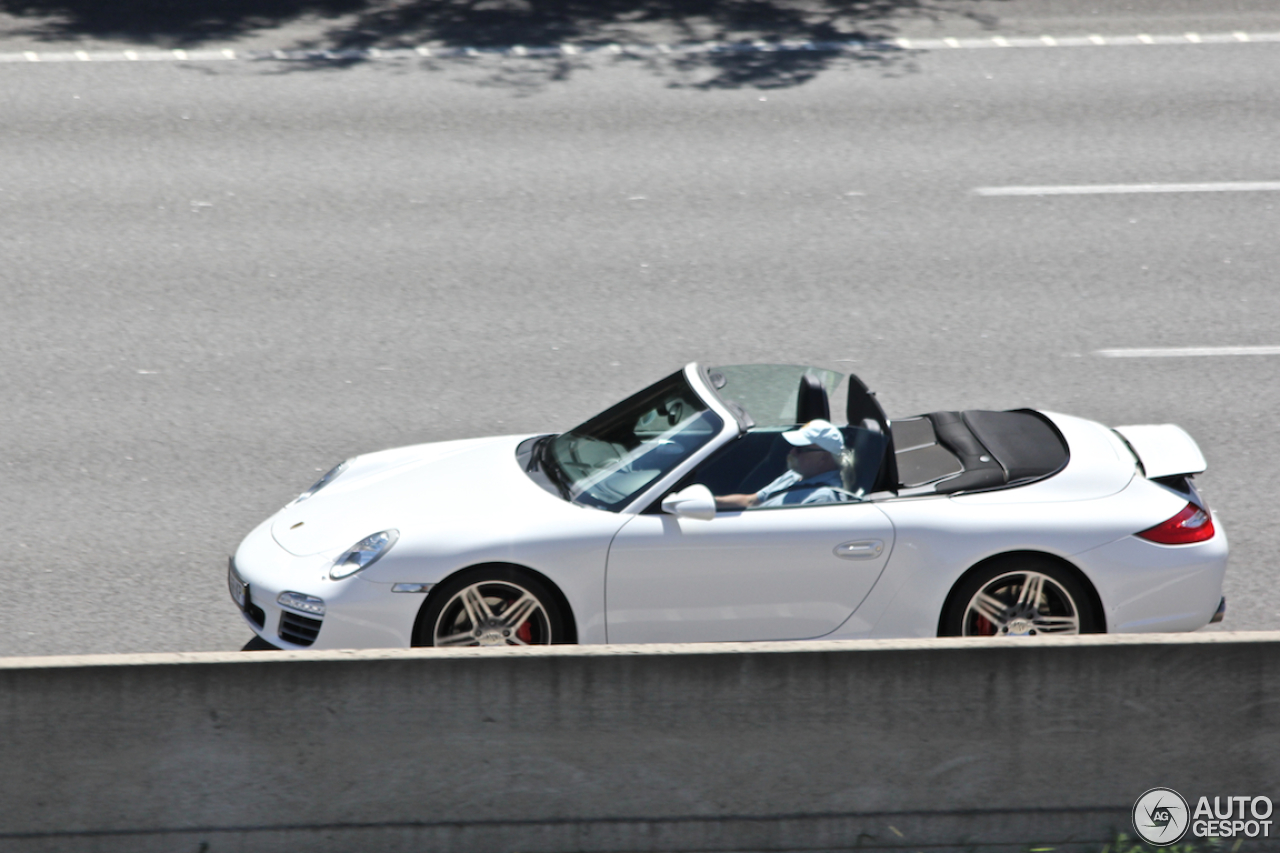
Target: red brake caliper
[{"x": 525, "y": 632}]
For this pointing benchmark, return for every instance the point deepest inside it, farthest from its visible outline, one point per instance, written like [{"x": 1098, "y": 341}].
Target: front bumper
[
  {"x": 358, "y": 614},
  {"x": 292, "y": 627}
]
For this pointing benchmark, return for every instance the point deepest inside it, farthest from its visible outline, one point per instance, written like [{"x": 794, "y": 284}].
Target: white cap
[{"x": 818, "y": 433}]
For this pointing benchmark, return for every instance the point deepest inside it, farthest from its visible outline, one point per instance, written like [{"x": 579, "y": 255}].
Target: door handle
[{"x": 863, "y": 549}]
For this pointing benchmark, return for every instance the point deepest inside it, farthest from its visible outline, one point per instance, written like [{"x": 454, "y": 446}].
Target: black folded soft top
[{"x": 977, "y": 449}]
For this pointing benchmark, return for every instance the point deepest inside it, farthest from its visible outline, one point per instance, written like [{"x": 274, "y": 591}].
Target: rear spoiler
[{"x": 1164, "y": 450}]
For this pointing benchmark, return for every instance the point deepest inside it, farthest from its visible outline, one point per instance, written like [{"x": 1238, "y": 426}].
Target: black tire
[
  {"x": 492, "y": 606},
  {"x": 1062, "y": 603}
]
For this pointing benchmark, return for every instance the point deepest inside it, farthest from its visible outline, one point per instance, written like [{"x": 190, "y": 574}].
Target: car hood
[{"x": 409, "y": 489}]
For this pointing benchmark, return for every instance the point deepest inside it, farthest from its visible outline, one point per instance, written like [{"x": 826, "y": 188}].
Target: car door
[{"x": 763, "y": 574}]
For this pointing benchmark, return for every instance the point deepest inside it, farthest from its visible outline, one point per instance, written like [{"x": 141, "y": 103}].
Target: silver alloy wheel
[
  {"x": 492, "y": 613},
  {"x": 1021, "y": 604}
]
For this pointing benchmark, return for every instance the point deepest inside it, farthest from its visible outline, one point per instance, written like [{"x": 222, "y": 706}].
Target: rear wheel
[
  {"x": 1020, "y": 597},
  {"x": 499, "y": 606}
]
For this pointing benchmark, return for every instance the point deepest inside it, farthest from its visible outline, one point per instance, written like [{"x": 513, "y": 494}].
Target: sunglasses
[{"x": 808, "y": 448}]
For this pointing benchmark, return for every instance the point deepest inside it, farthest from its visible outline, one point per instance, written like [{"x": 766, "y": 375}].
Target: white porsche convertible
[{"x": 1014, "y": 523}]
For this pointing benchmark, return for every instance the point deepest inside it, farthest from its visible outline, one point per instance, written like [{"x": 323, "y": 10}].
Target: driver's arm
[{"x": 737, "y": 501}]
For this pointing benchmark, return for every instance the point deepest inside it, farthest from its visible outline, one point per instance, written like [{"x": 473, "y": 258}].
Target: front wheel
[
  {"x": 1020, "y": 597},
  {"x": 498, "y": 606}
]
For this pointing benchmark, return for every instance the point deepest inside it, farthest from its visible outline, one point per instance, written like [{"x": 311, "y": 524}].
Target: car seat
[{"x": 811, "y": 400}]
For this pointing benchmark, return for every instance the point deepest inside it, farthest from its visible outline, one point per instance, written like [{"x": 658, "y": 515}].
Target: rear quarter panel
[{"x": 1095, "y": 501}]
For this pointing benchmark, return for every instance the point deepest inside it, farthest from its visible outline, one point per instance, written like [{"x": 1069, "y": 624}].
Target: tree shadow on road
[
  {"x": 164, "y": 23},
  {"x": 346, "y": 25}
]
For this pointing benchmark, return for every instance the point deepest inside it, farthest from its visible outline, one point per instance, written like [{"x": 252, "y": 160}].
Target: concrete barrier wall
[{"x": 803, "y": 746}]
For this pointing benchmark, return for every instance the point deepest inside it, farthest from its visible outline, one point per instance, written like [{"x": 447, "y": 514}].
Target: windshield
[
  {"x": 768, "y": 392},
  {"x": 607, "y": 461}
]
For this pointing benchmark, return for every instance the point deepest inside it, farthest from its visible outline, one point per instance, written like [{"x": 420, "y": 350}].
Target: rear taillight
[{"x": 1192, "y": 524}]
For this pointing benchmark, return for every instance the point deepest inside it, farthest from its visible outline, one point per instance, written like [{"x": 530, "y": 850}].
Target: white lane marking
[
  {"x": 1122, "y": 189},
  {"x": 640, "y": 49},
  {"x": 82, "y": 56},
  {"x": 1185, "y": 352}
]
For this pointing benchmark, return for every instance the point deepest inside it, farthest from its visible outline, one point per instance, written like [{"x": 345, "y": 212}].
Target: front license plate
[{"x": 239, "y": 589}]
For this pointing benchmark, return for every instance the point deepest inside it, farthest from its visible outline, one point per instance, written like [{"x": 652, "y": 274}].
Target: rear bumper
[{"x": 1148, "y": 588}]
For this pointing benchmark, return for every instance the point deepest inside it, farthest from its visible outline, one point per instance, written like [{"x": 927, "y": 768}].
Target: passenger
[{"x": 812, "y": 476}]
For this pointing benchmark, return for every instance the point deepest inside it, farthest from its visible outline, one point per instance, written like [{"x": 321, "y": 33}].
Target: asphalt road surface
[{"x": 221, "y": 278}]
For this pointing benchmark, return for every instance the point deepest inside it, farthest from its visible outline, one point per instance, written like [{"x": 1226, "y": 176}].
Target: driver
[{"x": 812, "y": 476}]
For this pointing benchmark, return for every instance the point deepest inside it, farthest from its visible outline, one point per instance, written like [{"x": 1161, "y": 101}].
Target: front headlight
[
  {"x": 321, "y": 483},
  {"x": 364, "y": 554}
]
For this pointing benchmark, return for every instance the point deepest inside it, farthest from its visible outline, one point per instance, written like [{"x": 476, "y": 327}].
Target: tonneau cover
[
  {"x": 978, "y": 450},
  {"x": 1023, "y": 441}
]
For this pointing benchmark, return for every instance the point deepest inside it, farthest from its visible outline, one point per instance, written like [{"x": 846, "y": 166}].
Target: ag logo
[{"x": 1160, "y": 817}]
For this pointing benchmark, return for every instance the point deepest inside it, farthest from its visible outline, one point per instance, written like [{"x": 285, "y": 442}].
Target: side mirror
[{"x": 693, "y": 502}]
